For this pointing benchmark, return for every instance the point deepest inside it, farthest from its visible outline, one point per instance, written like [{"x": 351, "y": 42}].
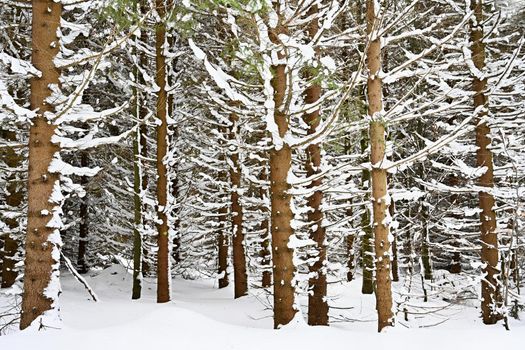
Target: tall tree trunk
[
  {"x": 239, "y": 256},
  {"x": 140, "y": 181},
  {"x": 84, "y": 220},
  {"x": 140, "y": 177},
  {"x": 138, "y": 223},
  {"x": 379, "y": 175},
  {"x": 176, "y": 222},
  {"x": 13, "y": 200},
  {"x": 426, "y": 257},
  {"x": 350, "y": 250},
  {"x": 394, "y": 263},
  {"x": 350, "y": 238},
  {"x": 280, "y": 198},
  {"x": 163, "y": 255},
  {"x": 222, "y": 244},
  {"x": 143, "y": 144},
  {"x": 317, "y": 304},
  {"x": 425, "y": 248},
  {"x": 40, "y": 263},
  {"x": 265, "y": 253},
  {"x": 489, "y": 250},
  {"x": 175, "y": 180},
  {"x": 223, "y": 237},
  {"x": 367, "y": 248},
  {"x": 455, "y": 262}
]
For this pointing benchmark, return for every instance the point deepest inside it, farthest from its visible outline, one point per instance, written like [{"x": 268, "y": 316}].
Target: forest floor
[{"x": 203, "y": 317}]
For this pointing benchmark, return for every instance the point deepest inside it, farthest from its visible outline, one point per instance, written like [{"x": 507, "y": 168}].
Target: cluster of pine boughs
[{"x": 277, "y": 145}]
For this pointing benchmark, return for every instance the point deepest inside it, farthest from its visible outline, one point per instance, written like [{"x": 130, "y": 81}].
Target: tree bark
[
  {"x": 223, "y": 237},
  {"x": 239, "y": 255},
  {"x": 265, "y": 253},
  {"x": 280, "y": 198},
  {"x": 13, "y": 200},
  {"x": 140, "y": 176},
  {"x": 138, "y": 223},
  {"x": 350, "y": 251},
  {"x": 367, "y": 248},
  {"x": 163, "y": 255},
  {"x": 143, "y": 142},
  {"x": 394, "y": 262},
  {"x": 425, "y": 249},
  {"x": 175, "y": 179},
  {"x": 490, "y": 286},
  {"x": 379, "y": 175},
  {"x": 317, "y": 304},
  {"x": 84, "y": 221},
  {"x": 39, "y": 260}
]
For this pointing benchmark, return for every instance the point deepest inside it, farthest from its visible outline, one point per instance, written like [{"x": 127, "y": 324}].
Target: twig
[{"x": 79, "y": 278}]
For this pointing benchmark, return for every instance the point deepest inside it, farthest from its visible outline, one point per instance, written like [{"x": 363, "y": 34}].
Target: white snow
[{"x": 203, "y": 317}]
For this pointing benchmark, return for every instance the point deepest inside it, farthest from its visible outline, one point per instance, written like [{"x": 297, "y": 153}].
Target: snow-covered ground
[{"x": 203, "y": 317}]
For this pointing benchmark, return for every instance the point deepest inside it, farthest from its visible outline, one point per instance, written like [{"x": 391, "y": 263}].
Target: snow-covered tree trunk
[
  {"x": 265, "y": 253},
  {"x": 163, "y": 255},
  {"x": 490, "y": 293},
  {"x": 140, "y": 175},
  {"x": 239, "y": 255},
  {"x": 280, "y": 198},
  {"x": 84, "y": 220},
  {"x": 42, "y": 257},
  {"x": 222, "y": 236},
  {"x": 222, "y": 247},
  {"x": 14, "y": 200},
  {"x": 367, "y": 247},
  {"x": 380, "y": 195},
  {"x": 317, "y": 303}
]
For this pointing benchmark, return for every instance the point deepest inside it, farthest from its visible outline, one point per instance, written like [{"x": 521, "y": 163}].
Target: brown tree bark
[
  {"x": 490, "y": 287},
  {"x": 140, "y": 146},
  {"x": 84, "y": 221},
  {"x": 223, "y": 237},
  {"x": 350, "y": 251},
  {"x": 394, "y": 263},
  {"x": 13, "y": 200},
  {"x": 175, "y": 180},
  {"x": 379, "y": 175},
  {"x": 280, "y": 198},
  {"x": 142, "y": 111},
  {"x": 239, "y": 255},
  {"x": 138, "y": 219},
  {"x": 265, "y": 253},
  {"x": 39, "y": 260},
  {"x": 163, "y": 255},
  {"x": 222, "y": 244},
  {"x": 176, "y": 222},
  {"x": 367, "y": 248},
  {"x": 455, "y": 262},
  {"x": 317, "y": 304}
]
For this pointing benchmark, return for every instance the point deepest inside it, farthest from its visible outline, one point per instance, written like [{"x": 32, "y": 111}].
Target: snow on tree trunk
[
  {"x": 490, "y": 292},
  {"x": 163, "y": 255},
  {"x": 280, "y": 198},
  {"x": 239, "y": 255},
  {"x": 380, "y": 197},
  {"x": 367, "y": 247},
  {"x": 265, "y": 252},
  {"x": 42, "y": 259},
  {"x": 84, "y": 221},
  {"x": 14, "y": 200},
  {"x": 317, "y": 304}
]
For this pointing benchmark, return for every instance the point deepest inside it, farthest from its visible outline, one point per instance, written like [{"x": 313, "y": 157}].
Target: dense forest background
[{"x": 282, "y": 149}]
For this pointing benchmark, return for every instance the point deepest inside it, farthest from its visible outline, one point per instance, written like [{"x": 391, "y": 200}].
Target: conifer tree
[{"x": 42, "y": 239}]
